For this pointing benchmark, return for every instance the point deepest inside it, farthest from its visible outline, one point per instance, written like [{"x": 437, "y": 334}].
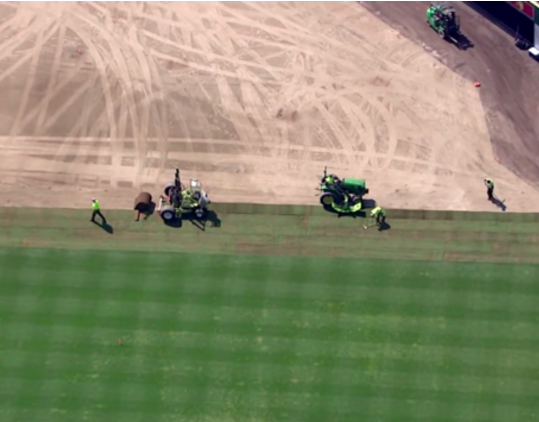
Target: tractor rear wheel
[
  {"x": 357, "y": 200},
  {"x": 168, "y": 187},
  {"x": 327, "y": 199},
  {"x": 168, "y": 213}
]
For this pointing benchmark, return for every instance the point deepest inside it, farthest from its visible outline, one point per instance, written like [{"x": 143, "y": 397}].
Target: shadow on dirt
[
  {"x": 369, "y": 204},
  {"x": 210, "y": 220},
  {"x": 461, "y": 41},
  {"x": 500, "y": 204},
  {"x": 105, "y": 227}
]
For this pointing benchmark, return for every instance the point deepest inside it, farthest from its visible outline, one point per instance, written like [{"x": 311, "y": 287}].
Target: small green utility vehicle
[
  {"x": 444, "y": 20},
  {"x": 180, "y": 200},
  {"x": 344, "y": 196}
]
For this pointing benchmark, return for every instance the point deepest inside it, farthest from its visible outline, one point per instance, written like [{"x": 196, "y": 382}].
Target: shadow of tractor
[{"x": 210, "y": 220}]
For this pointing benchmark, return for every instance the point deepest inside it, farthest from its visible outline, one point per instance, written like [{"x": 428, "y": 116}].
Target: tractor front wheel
[
  {"x": 168, "y": 214},
  {"x": 327, "y": 199},
  {"x": 441, "y": 33},
  {"x": 200, "y": 213}
]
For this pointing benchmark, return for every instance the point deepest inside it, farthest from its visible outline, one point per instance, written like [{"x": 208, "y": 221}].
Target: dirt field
[
  {"x": 509, "y": 91},
  {"x": 104, "y": 99}
]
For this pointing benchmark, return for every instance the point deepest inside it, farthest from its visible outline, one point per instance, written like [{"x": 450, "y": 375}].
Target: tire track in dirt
[
  {"x": 52, "y": 119},
  {"x": 84, "y": 126},
  {"x": 7, "y": 24},
  {"x": 235, "y": 114},
  {"x": 361, "y": 122},
  {"x": 35, "y": 52},
  {"x": 150, "y": 74},
  {"x": 337, "y": 130},
  {"x": 139, "y": 121},
  {"x": 302, "y": 47},
  {"x": 75, "y": 26},
  {"x": 32, "y": 145},
  {"x": 7, "y": 48},
  {"x": 32, "y": 114},
  {"x": 80, "y": 150},
  {"x": 307, "y": 41},
  {"x": 101, "y": 74},
  {"x": 121, "y": 60},
  {"x": 264, "y": 68},
  {"x": 29, "y": 83},
  {"x": 52, "y": 80},
  {"x": 15, "y": 66},
  {"x": 370, "y": 102}
]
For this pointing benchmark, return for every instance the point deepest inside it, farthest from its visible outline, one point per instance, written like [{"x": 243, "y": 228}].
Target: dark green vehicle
[
  {"x": 444, "y": 20},
  {"x": 344, "y": 196}
]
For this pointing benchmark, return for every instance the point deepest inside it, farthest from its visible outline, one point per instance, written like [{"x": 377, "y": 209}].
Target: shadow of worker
[
  {"x": 500, "y": 204},
  {"x": 384, "y": 226},
  {"x": 105, "y": 227}
]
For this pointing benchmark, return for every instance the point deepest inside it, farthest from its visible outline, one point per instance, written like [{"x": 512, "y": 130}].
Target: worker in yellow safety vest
[
  {"x": 96, "y": 210},
  {"x": 379, "y": 214},
  {"x": 490, "y": 188}
]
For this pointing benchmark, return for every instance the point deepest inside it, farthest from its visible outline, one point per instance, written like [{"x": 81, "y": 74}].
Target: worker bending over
[
  {"x": 490, "y": 188},
  {"x": 379, "y": 214}
]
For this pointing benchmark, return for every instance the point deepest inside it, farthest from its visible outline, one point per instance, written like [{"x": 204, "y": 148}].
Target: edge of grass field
[
  {"x": 400, "y": 214},
  {"x": 314, "y": 210}
]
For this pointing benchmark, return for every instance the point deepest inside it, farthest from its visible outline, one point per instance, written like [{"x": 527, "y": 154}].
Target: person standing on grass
[
  {"x": 490, "y": 188},
  {"x": 96, "y": 210}
]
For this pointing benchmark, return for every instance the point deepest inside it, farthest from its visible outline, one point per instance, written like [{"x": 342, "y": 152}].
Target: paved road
[{"x": 509, "y": 78}]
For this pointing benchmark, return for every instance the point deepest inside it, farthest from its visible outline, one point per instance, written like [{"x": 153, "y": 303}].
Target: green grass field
[{"x": 279, "y": 314}]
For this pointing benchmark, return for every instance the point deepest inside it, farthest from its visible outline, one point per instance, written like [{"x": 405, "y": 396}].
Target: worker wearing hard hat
[
  {"x": 490, "y": 188},
  {"x": 380, "y": 215},
  {"x": 96, "y": 210}
]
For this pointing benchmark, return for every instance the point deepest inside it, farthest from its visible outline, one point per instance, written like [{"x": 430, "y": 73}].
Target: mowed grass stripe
[
  {"x": 353, "y": 402},
  {"x": 371, "y": 302},
  {"x": 223, "y": 318},
  {"x": 287, "y": 324},
  {"x": 321, "y": 298},
  {"x": 337, "y": 384},
  {"x": 351, "y": 356},
  {"x": 451, "y": 364},
  {"x": 466, "y": 277},
  {"x": 500, "y": 250},
  {"x": 111, "y": 272}
]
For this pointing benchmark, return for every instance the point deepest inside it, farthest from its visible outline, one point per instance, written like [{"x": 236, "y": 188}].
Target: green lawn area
[{"x": 253, "y": 335}]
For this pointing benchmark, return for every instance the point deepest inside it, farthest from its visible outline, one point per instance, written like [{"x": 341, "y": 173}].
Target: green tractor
[
  {"x": 342, "y": 196},
  {"x": 180, "y": 200},
  {"x": 444, "y": 20}
]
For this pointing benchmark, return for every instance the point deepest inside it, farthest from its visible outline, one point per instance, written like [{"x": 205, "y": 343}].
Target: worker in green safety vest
[
  {"x": 380, "y": 215},
  {"x": 490, "y": 188},
  {"x": 96, "y": 210}
]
